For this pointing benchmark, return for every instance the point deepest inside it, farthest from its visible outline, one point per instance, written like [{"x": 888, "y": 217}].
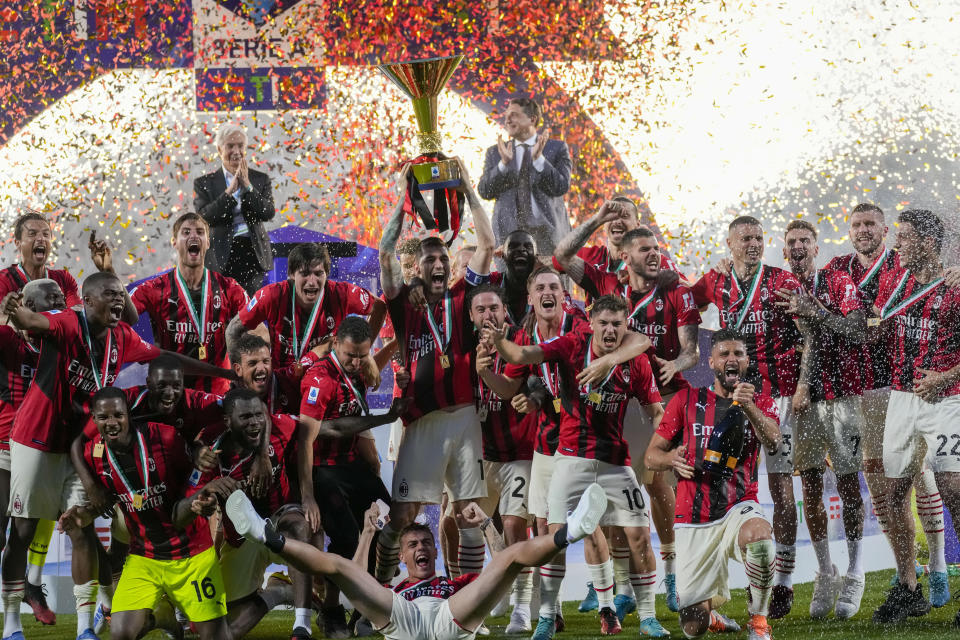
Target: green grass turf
[{"x": 796, "y": 626}]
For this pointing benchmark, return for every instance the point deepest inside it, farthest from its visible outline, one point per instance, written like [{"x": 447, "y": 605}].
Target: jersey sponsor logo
[
  {"x": 194, "y": 479},
  {"x": 216, "y": 301},
  {"x": 659, "y": 304},
  {"x": 313, "y": 395}
]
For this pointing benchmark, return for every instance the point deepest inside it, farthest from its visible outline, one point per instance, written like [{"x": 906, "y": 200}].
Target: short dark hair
[
  {"x": 416, "y": 527},
  {"x": 431, "y": 242},
  {"x": 483, "y": 288},
  {"x": 800, "y": 224},
  {"x": 188, "y": 217},
  {"x": 539, "y": 271},
  {"x": 355, "y": 328},
  {"x": 627, "y": 200},
  {"x": 867, "y": 207},
  {"x": 246, "y": 343},
  {"x": 724, "y": 335},
  {"x": 235, "y": 395},
  {"x": 409, "y": 247},
  {"x": 609, "y": 302},
  {"x": 166, "y": 362},
  {"x": 530, "y": 107},
  {"x": 741, "y": 220},
  {"x": 109, "y": 393},
  {"x": 97, "y": 279},
  {"x": 926, "y": 223},
  {"x": 642, "y": 231},
  {"x": 305, "y": 254},
  {"x": 24, "y": 219}
]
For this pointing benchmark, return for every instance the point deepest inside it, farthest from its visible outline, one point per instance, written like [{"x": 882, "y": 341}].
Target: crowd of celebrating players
[{"x": 535, "y": 421}]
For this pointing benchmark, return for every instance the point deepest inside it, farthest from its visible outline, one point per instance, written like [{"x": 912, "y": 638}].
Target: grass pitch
[{"x": 796, "y": 626}]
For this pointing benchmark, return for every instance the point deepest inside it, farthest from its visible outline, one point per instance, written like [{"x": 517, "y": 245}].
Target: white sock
[
  {"x": 621, "y": 571},
  {"x": 105, "y": 595},
  {"x": 35, "y": 574},
  {"x": 758, "y": 563},
  {"x": 12, "y": 596},
  {"x": 786, "y": 560},
  {"x": 86, "y": 597},
  {"x": 930, "y": 510},
  {"x": 301, "y": 618},
  {"x": 388, "y": 554},
  {"x": 551, "y": 576},
  {"x": 471, "y": 550},
  {"x": 644, "y": 588},
  {"x": 822, "y": 549},
  {"x": 602, "y": 577},
  {"x": 523, "y": 588},
  {"x": 668, "y": 553},
  {"x": 855, "y": 565}
]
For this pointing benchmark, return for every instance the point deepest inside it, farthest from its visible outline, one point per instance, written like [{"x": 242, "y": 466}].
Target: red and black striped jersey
[
  {"x": 235, "y": 463},
  {"x": 877, "y": 369},
  {"x": 175, "y": 312},
  {"x": 689, "y": 420},
  {"x": 18, "y": 364},
  {"x": 547, "y": 419},
  {"x": 926, "y": 327},
  {"x": 288, "y": 323},
  {"x": 152, "y": 532},
  {"x": 327, "y": 394},
  {"x": 440, "y": 587},
  {"x": 55, "y": 408},
  {"x": 196, "y": 412},
  {"x": 598, "y": 257},
  {"x": 593, "y": 427},
  {"x": 507, "y": 435},
  {"x": 657, "y": 314},
  {"x": 834, "y": 357},
  {"x": 769, "y": 332},
  {"x": 13, "y": 278},
  {"x": 447, "y": 322}
]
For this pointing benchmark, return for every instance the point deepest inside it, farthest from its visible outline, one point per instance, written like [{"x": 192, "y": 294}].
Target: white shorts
[
  {"x": 915, "y": 428},
  {"x": 42, "y": 484},
  {"x": 830, "y": 427},
  {"x": 541, "y": 471},
  {"x": 440, "y": 449},
  {"x": 626, "y": 506},
  {"x": 5, "y": 459},
  {"x": 508, "y": 485},
  {"x": 396, "y": 437},
  {"x": 703, "y": 552},
  {"x": 781, "y": 459},
  {"x": 422, "y": 619},
  {"x": 243, "y": 568},
  {"x": 874, "y": 406}
]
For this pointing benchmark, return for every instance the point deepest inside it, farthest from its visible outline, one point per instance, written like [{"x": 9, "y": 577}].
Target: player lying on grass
[{"x": 424, "y": 606}]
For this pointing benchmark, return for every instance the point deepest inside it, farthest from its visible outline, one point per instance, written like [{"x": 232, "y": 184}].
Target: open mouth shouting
[
  {"x": 168, "y": 403},
  {"x": 194, "y": 248},
  {"x": 731, "y": 375},
  {"x": 259, "y": 378},
  {"x": 609, "y": 341},
  {"x": 311, "y": 292},
  {"x": 116, "y": 312},
  {"x": 39, "y": 253},
  {"x": 112, "y": 431},
  {"x": 422, "y": 560},
  {"x": 438, "y": 279},
  {"x": 548, "y": 302}
]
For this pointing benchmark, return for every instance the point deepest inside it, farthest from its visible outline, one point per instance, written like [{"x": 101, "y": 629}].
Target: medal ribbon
[
  {"x": 547, "y": 378},
  {"x": 889, "y": 310},
  {"x": 748, "y": 300},
  {"x": 356, "y": 394},
  {"x": 872, "y": 271},
  {"x": 225, "y": 473},
  {"x": 441, "y": 334},
  {"x": 496, "y": 369},
  {"x": 136, "y": 403},
  {"x": 587, "y": 359},
  {"x": 642, "y": 304},
  {"x": 97, "y": 378},
  {"x": 201, "y": 323},
  {"x": 144, "y": 468},
  {"x": 300, "y": 346}
]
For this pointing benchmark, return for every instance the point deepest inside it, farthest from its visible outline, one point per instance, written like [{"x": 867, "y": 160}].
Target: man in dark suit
[
  {"x": 528, "y": 176},
  {"x": 235, "y": 201}
]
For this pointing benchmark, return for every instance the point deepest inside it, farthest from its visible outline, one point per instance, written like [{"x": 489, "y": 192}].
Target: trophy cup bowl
[{"x": 422, "y": 81}]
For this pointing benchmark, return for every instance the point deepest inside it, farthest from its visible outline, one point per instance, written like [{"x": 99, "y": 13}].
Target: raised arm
[
  {"x": 566, "y": 251},
  {"x": 391, "y": 278},
  {"x": 662, "y": 456},
  {"x": 193, "y": 367},
  {"x": 22, "y": 317},
  {"x": 511, "y": 351},
  {"x": 688, "y": 357},
  {"x": 102, "y": 256},
  {"x": 480, "y": 261},
  {"x": 634, "y": 344},
  {"x": 852, "y": 326},
  {"x": 352, "y": 425},
  {"x": 501, "y": 385},
  {"x": 766, "y": 428}
]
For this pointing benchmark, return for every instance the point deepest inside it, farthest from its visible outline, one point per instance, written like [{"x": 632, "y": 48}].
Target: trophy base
[{"x": 442, "y": 174}]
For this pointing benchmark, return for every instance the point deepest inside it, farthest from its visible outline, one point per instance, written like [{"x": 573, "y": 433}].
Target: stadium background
[{"x": 708, "y": 109}]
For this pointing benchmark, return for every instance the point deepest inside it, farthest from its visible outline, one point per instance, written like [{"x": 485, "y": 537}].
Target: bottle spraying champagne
[{"x": 725, "y": 445}]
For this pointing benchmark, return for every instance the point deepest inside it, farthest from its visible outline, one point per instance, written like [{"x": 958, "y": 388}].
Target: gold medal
[
  {"x": 556, "y": 405},
  {"x": 202, "y": 352},
  {"x": 444, "y": 361},
  {"x": 98, "y": 450},
  {"x": 137, "y": 501},
  {"x": 595, "y": 397},
  {"x": 873, "y": 322}
]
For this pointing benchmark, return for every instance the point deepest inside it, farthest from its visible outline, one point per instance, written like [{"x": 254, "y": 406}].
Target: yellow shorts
[{"x": 194, "y": 585}]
